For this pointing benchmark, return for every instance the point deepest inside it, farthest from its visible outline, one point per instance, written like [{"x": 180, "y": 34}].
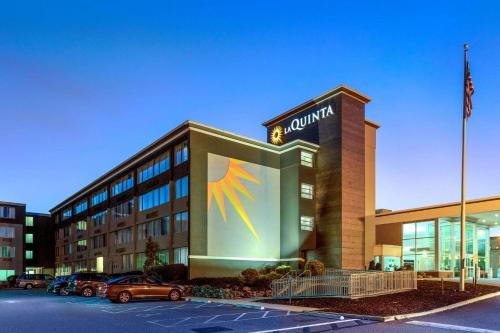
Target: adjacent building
[{"x": 26, "y": 241}]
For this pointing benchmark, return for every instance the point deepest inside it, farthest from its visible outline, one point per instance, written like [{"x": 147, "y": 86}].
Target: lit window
[
  {"x": 29, "y": 221},
  {"x": 29, "y": 254},
  {"x": 163, "y": 257},
  {"x": 181, "y": 255},
  {"x": 81, "y": 245},
  {"x": 306, "y": 191},
  {"x": 181, "y": 153},
  {"x": 29, "y": 238},
  {"x": 81, "y": 225},
  {"x": 306, "y": 158},
  {"x": 307, "y": 223},
  {"x": 182, "y": 187},
  {"x": 7, "y": 252}
]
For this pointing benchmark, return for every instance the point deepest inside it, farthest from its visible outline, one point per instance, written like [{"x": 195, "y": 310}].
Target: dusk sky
[{"x": 84, "y": 86}]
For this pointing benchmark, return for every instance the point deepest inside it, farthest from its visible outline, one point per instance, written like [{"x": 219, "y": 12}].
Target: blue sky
[{"x": 86, "y": 85}]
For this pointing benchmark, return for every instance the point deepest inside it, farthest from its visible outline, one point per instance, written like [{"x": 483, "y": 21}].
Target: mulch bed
[{"x": 427, "y": 297}]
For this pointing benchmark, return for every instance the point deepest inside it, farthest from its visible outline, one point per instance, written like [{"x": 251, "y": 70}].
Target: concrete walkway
[
  {"x": 253, "y": 303},
  {"x": 485, "y": 281}
]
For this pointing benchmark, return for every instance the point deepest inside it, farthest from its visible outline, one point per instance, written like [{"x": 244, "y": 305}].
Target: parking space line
[
  {"x": 265, "y": 314},
  {"x": 451, "y": 327},
  {"x": 209, "y": 320},
  {"x": 305, "y": 326},
  {"x": 241, "y": 315}
]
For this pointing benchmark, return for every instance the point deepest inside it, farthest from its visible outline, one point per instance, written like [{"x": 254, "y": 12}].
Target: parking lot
[{"x": 23, "y": 310}]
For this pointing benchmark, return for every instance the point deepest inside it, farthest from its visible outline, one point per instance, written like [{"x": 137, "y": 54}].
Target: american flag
[{"x": 469, "y": 91}]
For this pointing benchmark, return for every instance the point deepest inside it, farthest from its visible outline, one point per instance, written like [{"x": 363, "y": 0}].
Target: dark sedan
[{"x": 127, "y": 288}]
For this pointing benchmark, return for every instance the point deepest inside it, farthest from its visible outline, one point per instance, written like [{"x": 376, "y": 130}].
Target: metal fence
[{"x": 345, "y": 283}]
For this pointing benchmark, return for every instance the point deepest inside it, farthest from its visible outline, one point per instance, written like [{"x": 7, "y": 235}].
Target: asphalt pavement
[{"x": 35, "y": 311}]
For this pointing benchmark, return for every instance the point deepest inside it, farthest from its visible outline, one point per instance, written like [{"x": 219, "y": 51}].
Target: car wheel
[
  {"x": 174, "y": 295},
  {"x": 63, "y": 292},
  {"x": 124, "y": 297},
  {"x": 87, "y": 292},
  {"x": 29, "y": 286}
]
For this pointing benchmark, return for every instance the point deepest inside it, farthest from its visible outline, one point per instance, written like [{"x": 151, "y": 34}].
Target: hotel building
[{"x": 219, "y": 202}]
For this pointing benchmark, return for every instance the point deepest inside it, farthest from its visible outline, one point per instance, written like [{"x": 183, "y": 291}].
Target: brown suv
[
  {"x": 126, "y": 288},
  {"x": 28, "y": 281},
  {"x": 85, "y": 284}
]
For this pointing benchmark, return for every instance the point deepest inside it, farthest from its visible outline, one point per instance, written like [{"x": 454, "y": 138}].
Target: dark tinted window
[
  {"x": 153, "y": 281},
  {"x": 133, "y": 280}
]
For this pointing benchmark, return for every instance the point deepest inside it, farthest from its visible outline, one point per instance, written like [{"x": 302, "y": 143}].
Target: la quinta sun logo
[{"x": 277, "y": 135}]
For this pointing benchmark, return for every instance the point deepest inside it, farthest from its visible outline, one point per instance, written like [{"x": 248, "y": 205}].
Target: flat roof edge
[
  {"x": 340, "y": 89},
  {"x": 457, "y": 203}
]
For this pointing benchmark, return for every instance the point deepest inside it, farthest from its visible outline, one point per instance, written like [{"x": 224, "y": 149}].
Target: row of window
[
  {"x": 154, "y": 198},
  {"x": 7, "y": 252},
  {"x": 154, "y": 228},
  {"x": 7, "y": 212},
  {"x": 149, "y": 170},
  {"x": 7, "y": 232}
]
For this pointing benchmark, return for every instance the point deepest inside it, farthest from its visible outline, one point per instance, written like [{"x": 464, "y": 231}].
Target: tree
[{"x": 151, "y": 255}]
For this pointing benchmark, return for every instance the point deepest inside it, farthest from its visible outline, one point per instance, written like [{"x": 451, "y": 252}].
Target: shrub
[
  {"x": 283, "y": 269},
  {"x": 315, "y": 266},
  {"x": 267, "y": 269},
  {"x": 250, "y": 275},
  {"x": 211, "y": 292},
  {"x": 222, "y": 282},
  {"x": 272, "y": 276}
]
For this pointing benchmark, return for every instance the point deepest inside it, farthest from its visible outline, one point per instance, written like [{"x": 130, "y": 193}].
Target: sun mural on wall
[{"x": 229, "y": 186}]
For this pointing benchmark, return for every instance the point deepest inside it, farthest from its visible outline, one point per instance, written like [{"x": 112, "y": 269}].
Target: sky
[{"x": 85, "y": 85}]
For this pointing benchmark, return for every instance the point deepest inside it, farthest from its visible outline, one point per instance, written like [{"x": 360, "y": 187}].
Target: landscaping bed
[{"x": 427, "y": 297}]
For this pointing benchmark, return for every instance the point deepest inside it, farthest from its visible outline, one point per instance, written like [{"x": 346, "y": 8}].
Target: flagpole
[{"x": 462, "y": 210}]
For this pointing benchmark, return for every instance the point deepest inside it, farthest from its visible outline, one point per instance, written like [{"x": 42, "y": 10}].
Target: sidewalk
[
  {"x": 486, "y": 281},
  {"x": 253, "y": 303}
]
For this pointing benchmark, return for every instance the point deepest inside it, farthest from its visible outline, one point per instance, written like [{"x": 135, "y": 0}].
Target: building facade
[
  {"x": 220, "y": 202},
  {"x": 26, "y": 241}
]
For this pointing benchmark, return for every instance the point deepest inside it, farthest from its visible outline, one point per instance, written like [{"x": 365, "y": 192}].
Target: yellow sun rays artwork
[
  {"x": 277, "y": 135},
  {"x": 230, "y": 187}
]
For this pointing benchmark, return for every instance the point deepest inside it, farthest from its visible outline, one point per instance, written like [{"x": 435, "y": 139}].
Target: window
[
  {"x": 81, "y": 245},
  {"x": 307, "y": 223},
  {"x": 29, "y": 254},
  {"x": 154, "y": 167},
  {"x": 99, "y": 241},
  {"x": 418, "y": 245},
  {"x": 306, "y": 191},
  {"x": 123, "y": 236},
  {"x": 123, "y": 209},
  {"x": 7, "y": 232},
  {"x": 67, "y": 231},
  {"x": 81, "y": 207},
  {"x": 181, "y": 222},
  {"x": 81, "y": 266},
  {"x": 127, "y": 260},
  {"x": 7, "y": 252},
  {"x": 182, "y": 187},
  {"x": 81, "y": 225},
  {"x": 155, "y": 228},
  {"x": 306, "y": 158},
  {"x": 28, "y": 221},
  {"x": 163, "y": 257},
  {"x": 154, "y": 198},
  {"x": 7, "y": 212},
  {"x": 67, "y": 214},
  {"x": 5, "y": 273},
  {"x": 99, "y": 218},
  {"x": 140, "y": 260},
  {"x": 99, "y": 197},
  {"x": 181, "y": 153},
  {"x": 122, "y": 185},
  {"x": 28, "y": 238},
  {"x": 181, "y": 255}
]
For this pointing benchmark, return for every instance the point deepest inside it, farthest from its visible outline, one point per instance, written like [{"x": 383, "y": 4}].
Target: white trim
[{"x": 242, "y": 258}]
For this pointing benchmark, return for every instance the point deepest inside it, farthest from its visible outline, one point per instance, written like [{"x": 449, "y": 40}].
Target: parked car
[
  {"x": 11, "y": 280},
  {"x": 28, "y": 281},
  {"x": 58, "y": 284},
  {"x": 127, "y": 288},
  {"x": 84, "y": 284}
]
